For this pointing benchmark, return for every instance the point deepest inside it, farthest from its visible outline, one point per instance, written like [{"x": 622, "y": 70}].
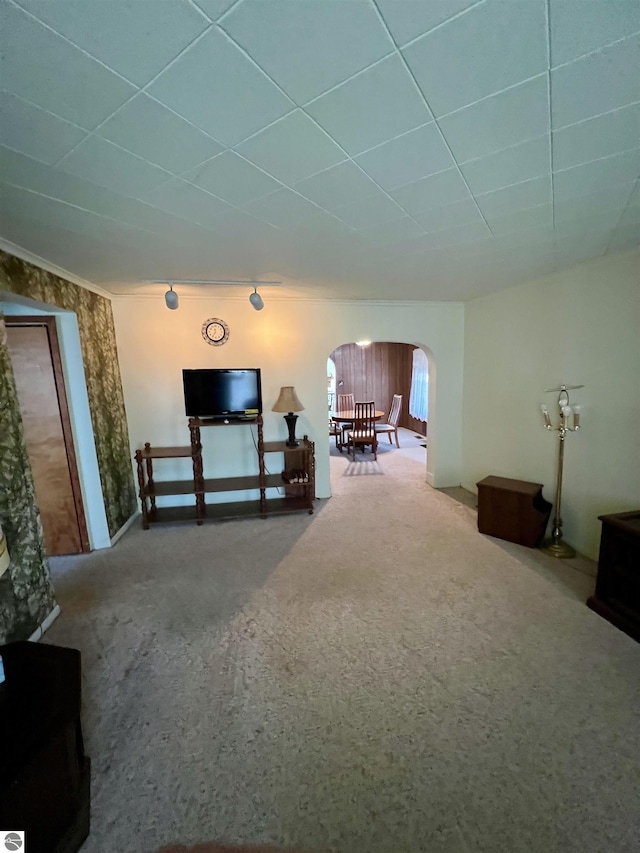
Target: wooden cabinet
[
  {"x": 295, "y": 480},
  {"x": 617, "y": 595},
  {"x": 513, "y": 510}
]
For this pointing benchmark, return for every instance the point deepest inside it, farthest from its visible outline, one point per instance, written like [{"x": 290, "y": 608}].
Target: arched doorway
[{"x": 376, "y": 371}]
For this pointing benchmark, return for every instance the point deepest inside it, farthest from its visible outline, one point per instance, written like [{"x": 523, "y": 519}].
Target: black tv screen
[{"x": 220, "y": 393}]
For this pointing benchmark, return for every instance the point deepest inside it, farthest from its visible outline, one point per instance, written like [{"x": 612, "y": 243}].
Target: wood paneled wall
[{"x": 377, "y": 372}]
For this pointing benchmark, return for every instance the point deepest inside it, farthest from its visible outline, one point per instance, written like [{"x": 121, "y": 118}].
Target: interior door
[{"x": 35, "y": 356}]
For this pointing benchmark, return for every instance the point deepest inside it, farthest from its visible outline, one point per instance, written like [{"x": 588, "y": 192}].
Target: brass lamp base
[{"x": 558, "y": 549}]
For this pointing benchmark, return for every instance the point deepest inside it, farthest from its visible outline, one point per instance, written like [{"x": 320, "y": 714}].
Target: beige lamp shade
[{"x": 287, "y": 401}]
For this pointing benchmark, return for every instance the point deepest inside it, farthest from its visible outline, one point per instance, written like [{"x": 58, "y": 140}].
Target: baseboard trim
[
  {"x": 120, "y": 533},
  {"x": 46, "y": 624}
]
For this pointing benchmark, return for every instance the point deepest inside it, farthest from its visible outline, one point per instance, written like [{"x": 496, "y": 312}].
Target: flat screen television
[{"x": 219, "y": 393}]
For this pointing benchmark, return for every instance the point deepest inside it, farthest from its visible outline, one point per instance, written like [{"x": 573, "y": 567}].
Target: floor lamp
[{"x": 556, "y": 547}]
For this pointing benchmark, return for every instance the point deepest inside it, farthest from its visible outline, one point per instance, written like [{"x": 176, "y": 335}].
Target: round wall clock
[{"x": 215, "y": 331}]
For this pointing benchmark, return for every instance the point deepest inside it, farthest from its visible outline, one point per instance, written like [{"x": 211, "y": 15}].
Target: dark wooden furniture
[
  {"x": 44, "y": 773},
  {"x": 513, "y": 510},
  {"x": 150, "y": 489},
  {"x": 296, "y": 480},
  {"x": 617, "y": 595},
  {"x": 363, "y": 430},
  {"x": 349, "y": 415}
]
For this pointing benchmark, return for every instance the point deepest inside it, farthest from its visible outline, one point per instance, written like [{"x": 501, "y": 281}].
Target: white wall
[
  {"x": 581, "y": 326},
  {"x": 290, "y": 341}
]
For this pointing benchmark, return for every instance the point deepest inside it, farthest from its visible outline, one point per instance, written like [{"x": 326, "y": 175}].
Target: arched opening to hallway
[{"x": 377, "y": 371}]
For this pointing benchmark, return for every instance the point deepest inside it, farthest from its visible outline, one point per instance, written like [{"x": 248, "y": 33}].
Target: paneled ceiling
[{"x": 355, "y": 149}]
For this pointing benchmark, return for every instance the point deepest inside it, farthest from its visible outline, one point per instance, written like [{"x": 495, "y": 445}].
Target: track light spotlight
[
  {"x": 256, "y": 300},
  {"x": 171, "y": 298}
]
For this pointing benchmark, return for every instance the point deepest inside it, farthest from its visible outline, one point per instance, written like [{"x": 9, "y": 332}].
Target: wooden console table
[
  {"x": 617, "y": 595},
  {"x": 513, "y": 510}
]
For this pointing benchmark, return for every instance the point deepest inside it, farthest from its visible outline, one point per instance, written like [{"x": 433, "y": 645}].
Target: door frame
[{"x": 49, "y": 323}]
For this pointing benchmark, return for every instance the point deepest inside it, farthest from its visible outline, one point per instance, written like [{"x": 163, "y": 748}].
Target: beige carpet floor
[{"x": 375, "y": 678}]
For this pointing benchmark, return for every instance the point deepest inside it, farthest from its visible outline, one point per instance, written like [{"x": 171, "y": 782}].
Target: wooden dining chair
[
  {"x": 336, "y": 430},
  {"x": 345, "y": 404},
  {"x": 391, "y": 427},
  {"x": 363, "y": 431}
]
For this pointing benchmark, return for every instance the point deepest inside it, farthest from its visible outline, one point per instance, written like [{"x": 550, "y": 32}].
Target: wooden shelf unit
[
  {"x": 295, "y": 497},
  {"x": 150, "y": 489}
]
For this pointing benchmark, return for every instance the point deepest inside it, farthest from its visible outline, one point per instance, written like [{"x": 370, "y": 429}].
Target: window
[{"x": 419, "y": 397}]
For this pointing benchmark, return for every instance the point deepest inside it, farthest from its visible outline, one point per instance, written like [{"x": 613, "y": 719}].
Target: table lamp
[{"x": 288, "y": 402}]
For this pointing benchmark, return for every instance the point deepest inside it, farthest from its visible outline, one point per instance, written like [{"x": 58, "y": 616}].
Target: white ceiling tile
[
  {"x": 433, "y": 191},
  {"x": 25, "y": 172},
  {"x": 377, "y": 105},
  {"x": 190, "y": 202},
  {"x": 517, "y": 197},
  {"x": 578, "y": 28},
  {"x": 216, "y": 87},
  {"x": 214, "y": 8},
  {"x": 370, "y": 211},
  {"x": 458, "y": 235},
  {"x": 232, "y": 178},
  {"x": 597, "y": 175},
  {"x": 337, "y": 186},
  {"x": 292, "y": 149},
  {"x": 42, "y": 210},
  {"x": 308, "y": 48},
  {"x": 282, "y": 208},
  {"x": 174, "y": 144},
  {"x": 413, "y": 155},
  {"x": 412, "y": 18},
  {"x": 577, "y": 249},
  {"x": 522, "y": 162},
  {"x": 460, "y": 213},
  {"x": 490, "y": 47},
  {"x": 498, "y": 122},
  {"x": 29, "y": 174},
  {"x": 379, "y": 114},
  {"x": 591, "y": 223},
  {"x": 598, "y": 137},
  {"x": 63, "y": 80},
  {"x": 625, "y": 237},
  {"x": 634, "y": 198},
  {"x": 611, "y": 198},
  {"x": 134, "y": 40},
  {"x": 392, "y": 232},
  {"x": 105, "y": 164},
  {"x": 34, "y": 131},
  {"x": 534, "y": 218},
  {"x": 596, "y": 84}
]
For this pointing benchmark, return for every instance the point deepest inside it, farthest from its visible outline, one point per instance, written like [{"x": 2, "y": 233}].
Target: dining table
[{"x": 349, "y": 416}]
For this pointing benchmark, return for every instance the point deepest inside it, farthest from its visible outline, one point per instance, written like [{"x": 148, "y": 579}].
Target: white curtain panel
[{"x": 419, "y": 397}]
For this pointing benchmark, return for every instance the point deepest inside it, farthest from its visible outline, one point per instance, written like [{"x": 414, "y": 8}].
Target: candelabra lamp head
[{"x": 289, "y": 402}]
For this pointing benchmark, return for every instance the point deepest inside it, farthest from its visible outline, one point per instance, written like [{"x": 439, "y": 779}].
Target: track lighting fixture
[
  {"x": 256, "y": 300},
  {"x": 171, "y": 298}
]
